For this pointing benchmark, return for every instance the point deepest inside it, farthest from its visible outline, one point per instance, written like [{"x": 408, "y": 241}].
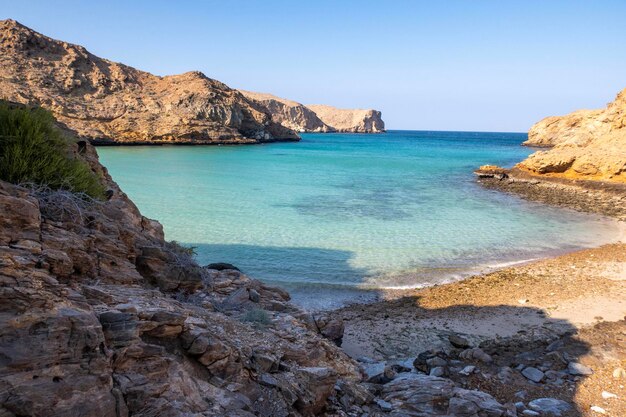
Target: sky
[{"x": 472, "y": 65}]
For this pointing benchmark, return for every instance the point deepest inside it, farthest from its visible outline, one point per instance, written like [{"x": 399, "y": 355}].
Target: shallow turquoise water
[{"x": 335, "y": 212}]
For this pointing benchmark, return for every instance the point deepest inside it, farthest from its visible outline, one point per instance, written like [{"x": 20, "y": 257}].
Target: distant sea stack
[
  {"x": 586, "y": 144},
  {"x": 318, "y": 118},
  {"x": 107, "y": 102}
]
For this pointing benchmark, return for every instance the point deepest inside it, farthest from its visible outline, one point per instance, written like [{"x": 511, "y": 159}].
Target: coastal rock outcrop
[
  {"x": 107, "y": 102},
  {"x": 99, "y": 316},
  {"x": 318, "y": 118},
  {"x": 586, "y": 144},
  {"x": 350, "y": 120},
  {"x": 289, "y": 113}
]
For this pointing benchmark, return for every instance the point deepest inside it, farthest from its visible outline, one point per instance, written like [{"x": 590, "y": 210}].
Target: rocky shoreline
[
  {"x": 546, "y": 338},
  {"x": 600, "y": 197}
]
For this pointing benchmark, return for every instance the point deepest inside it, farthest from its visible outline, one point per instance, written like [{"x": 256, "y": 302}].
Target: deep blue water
[{"x": 337, "y": 212}]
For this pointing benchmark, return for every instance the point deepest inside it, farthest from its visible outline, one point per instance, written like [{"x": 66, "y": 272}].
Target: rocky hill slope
[
  {"x": 586, "y": 144},
  {"x": 108, "y": 102},
  {"x": 318, "y": 118}
]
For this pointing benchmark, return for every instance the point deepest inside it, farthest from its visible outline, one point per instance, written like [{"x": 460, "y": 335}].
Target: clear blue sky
[{"x": 444, "y": 65}]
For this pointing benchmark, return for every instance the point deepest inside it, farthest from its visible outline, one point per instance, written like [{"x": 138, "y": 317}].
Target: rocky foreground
[{"x": 111, "y": 103}]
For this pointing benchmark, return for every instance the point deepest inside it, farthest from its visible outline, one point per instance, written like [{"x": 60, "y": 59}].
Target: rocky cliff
[
  {"x": 318, "y": 118},
  {"x": 350, "y": 120},
  {"x": 107, "y": 102},
  {"x": 586, "y": 144},
  {"x": 289, "y": 113}
]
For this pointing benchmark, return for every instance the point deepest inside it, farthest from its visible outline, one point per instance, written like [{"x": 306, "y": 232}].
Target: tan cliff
[
  {"x": 586, "y": 144},
  {"x": 350, "y": 120},
  {"x": 289, "y": 113},
  {"x": 108, "y": 102},
  {"x": 318, "y": 118}
]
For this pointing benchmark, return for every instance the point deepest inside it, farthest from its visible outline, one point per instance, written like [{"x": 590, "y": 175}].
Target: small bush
[
  {"x": 258, "y": 317},
  {"x": 33, "y": 150}
]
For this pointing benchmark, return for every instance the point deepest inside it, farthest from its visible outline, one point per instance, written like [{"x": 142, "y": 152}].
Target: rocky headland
[
  {"x": 110, "y": 103},
  {"x": 318, "y": 118},
  {"x": 348, "y": 120},
  {"x": 585, "y": 145}
]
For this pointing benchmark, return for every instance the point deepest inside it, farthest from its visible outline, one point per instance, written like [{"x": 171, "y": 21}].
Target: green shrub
[
  {"x": 258, "y": 317},
  {"x": 33, "y": 150}
]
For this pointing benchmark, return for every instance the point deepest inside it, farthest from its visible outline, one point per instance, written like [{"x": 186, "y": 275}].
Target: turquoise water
[{"x": 335, "y": 212}]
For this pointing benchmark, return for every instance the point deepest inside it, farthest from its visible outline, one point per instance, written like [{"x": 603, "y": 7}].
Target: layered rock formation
[
  {"x": 108, "y": 102},
  {"x": 318, "y": 118},
  {"x": 348, "y": 120},
  {"x": 587, "y": 144},
  {"x": 289, "y": 113}
]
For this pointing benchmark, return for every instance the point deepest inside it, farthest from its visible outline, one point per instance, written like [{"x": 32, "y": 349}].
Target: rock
[
  {"x": 384, "y": 405},
  {"x": 519, "y": 406},
  {"x": 619, "y": 373},
  {"x": 458, "y": 341},
  {"x": 379, "y": 373},
  {"x": 476, "y": 354},
  {"x": 254, "y": 295},
  {"x": 550, "y": 407},
  {"x": 530, "y": 413},
  {"x": 421, "y": 361},
  {"x": 439, "y": 371},
  {"x": 468, "y": 370},
  {"x": 575, "y": 368},
  {"x": 607, "y": 395},
  {"x": 222, "y": 266},
  {"x": 598, "y": 410},
  {"x": 533, "y": 374},
  {"x": 330, "y": 327}
]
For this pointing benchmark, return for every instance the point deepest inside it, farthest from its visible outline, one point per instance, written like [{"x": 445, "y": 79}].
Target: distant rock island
[
  {"x": 111, "y": 103},
  {"x": 317, "y": 117},
  {"x": 585, "y": 144}
]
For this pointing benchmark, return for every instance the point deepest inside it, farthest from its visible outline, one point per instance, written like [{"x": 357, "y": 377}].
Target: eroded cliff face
[
  {"x": 318, "y": 118},
  {"x": 289, "y": 113},
  {"x": 350, "y": 120},
  {"x": 108, "y": 102},
  {"x": 586, "y": 144}
]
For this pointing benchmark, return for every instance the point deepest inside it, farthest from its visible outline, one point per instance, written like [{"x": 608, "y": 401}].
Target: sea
[{"x": 344, "y": 218}]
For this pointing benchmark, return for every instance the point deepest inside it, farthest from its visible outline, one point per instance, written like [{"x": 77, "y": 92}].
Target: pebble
[
  {"x": 467, "y": 370},
  {"x": 530, "y": 413},
  {"x": 575, "y": 368},
  {"x": 598, "y": 410},
  {"x": 458, "y": 341},
  {"x": 438, "y": 371},
  {"x": 550, "y": 406},
  {"x": 533, "y": 374},
  {"x": 522, "y": 301},
  {"x": 384, "y": 405},
  {"x": 619, "y": 373},
  {"x": 606, "y": 395}
]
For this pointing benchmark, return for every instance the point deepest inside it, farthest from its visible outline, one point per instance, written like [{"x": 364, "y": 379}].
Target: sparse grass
[
  {"x": 33, "y": 150},
  {"x": 258, "y": 317}
]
